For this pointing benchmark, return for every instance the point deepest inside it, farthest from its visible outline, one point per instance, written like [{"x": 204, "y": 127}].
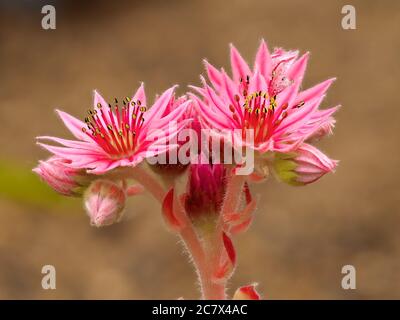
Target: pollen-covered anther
[
  {"x": 115, "y": 131},
  {"x": 282, "y": 117},
  {"x": 300, "y": 104},
  {"x": 259, "y": 114}
]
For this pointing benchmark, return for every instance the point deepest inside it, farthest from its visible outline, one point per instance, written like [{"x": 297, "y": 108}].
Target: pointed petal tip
[
  {"x": 36, "y": 170},
  {"x": 42, "y": 145},
  {"x": 172, "y": 89},
  {"x": 233, "y": 49},
  {"x": 329, "y": 81},
  {"x": 203, "y": 80},
  {"x": 191, "y": 86},
  {"x": 335, "y": 108},
  {"x": 65, "y": 116},
  {"x": 335, "y": 164},
  {"x": 263, "y": 44},
  {"x": 43, "y": 137},
  {"x": 208, "y": 66},
  {"x": 304, "y": 58}
]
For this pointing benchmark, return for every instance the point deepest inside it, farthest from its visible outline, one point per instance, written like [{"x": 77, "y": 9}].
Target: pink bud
[
  {"x": 104, "y": 202},
  {"x": 57, "y": 173},
  {"x": 206, "y": 189},
  {"x": 305, "y": 165},
  {"x": 246, "y": 293}
]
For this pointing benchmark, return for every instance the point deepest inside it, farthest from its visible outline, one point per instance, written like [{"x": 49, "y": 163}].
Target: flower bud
[
  {"x": 246, "y": 293},
  {"x": 57, "y": 173},
  {"x": 303, "y": 166},
  {"x": 206, "y": 188},
  {"x": 104, "y": 202}
]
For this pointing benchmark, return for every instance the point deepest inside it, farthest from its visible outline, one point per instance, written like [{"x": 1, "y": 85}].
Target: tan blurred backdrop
[{"x": 301, "y": 237}]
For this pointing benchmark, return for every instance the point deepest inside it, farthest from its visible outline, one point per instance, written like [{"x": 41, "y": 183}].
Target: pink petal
[
  {"x": 311, "y": 154},
  {"x": 213, "y": 74},
  {"x": 217, "y": 102},
  {"x": 74, "y": 125},
  {"x": 102, "y": 166},
  {"x": 230, "y": 92},
  {"x": 298, "y": 68},
  {"x": 257, "y": 82},
  {"x": 97, "y": 98},
  {"x": 301, "y": 115},
  {"x": 175, "y": 115},
  {"x": 315, "y": 91},
  {"x": 159, "y": 107},
  {"x": 263, "y": 60},
  {"x": 215, "y": 120},
  {"x": 62, "y": 152},
  {"x": 240, "y": 68},
  {"x": 72, "y": 143},
  {"x": 140, "y": 95}
]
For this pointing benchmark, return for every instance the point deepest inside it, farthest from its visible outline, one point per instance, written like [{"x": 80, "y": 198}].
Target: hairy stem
[
  {"x": 205, "y": 257},
  {"x": 147, "y": 180},
  {"x": 204, "y": 265},
  {"x": 230, "y": 205},
  {"x": 202, "y": 255}
]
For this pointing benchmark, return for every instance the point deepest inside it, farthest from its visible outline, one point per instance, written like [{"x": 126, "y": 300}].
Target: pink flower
[
  {"x": 58, "y": 174},
  {"x": 104, "y": 202},
  {"x": 266, "y": 100},
  {"x": 303, "y": 166},
  {"x": 114, "y": 136}
]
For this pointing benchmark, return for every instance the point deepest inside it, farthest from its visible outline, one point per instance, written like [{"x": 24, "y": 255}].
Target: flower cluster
[{"x": 262, "y": 110}]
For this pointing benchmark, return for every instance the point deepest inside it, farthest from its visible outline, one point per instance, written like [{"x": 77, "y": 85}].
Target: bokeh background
[{"x": 301, "y": 237}]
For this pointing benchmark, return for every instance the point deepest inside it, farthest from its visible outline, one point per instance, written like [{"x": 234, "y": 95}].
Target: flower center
[
  {"x": 260, "y": 114},
  {"x": 116, "y": 131}
]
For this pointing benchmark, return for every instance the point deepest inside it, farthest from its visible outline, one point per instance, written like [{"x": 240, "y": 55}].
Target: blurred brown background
[{"x": 301, "y": 237}]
